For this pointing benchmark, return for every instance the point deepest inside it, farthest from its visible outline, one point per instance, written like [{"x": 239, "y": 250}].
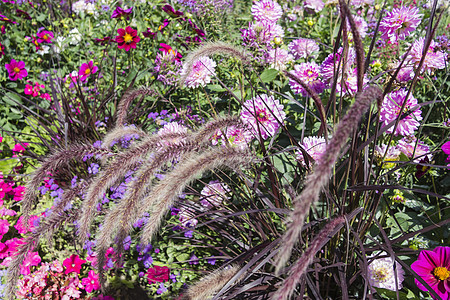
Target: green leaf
[
  {"x": 268, "y": 75},
  {"x": 216, "y": 88},
  {"x": 41, "y": 17},
  {"x": 182, "y": 257},
  {"x": 11, "y": 99}
]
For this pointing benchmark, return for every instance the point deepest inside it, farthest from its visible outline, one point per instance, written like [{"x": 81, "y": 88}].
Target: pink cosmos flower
[
  {"x": 73, "y": 264},
  {"x": 303, "y": 48},
  {"x": 315, "y": 146},
  {"x": 434, "y": 268},
  {"x": 158, "y": 274},
  {"x": 86, "y": 70},
  {"x": 278, "y": 58},
  {"x": 202, "y": 70},
  {"x": 127, "y": 38},
  {"x": 399, "y": 23},
  {"x": 16, "y": 70},
  {"x": 120, "y": 12},
  {"x": 390, "y": 110},
  {"x": 434, "y": 58},
  {"x": 263, "y": 114},
  {"x": 91, "y": 282},
  {"x": 45, "y": 37},
  {"x": 266, "y": 10},
  {"x": 309, "y": 73},
  {"x": 214, "y": 193}
]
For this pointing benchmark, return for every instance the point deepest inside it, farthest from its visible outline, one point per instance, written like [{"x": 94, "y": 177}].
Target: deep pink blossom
[
  {"x": 16, "y": 70},
  {"x": 434, "y": 268},
  {"x": 19, "y": 192},
  {"x": 4, "y": 188},
  {"x": 4, "y": 227},
  {"x": 32, "y": 224},
  {"x": 91, "y": 282},
  {"x": 86, "y": 70},
  {"x": 309, "y": 73},
  {"x": 158, "y": 274},
  {"x": 45, "y": 36},
  {"x": 120, "y": 12},
  {"x": 19, "y": 148},
  {"x": 399, "y": 23},
  {"x": 446, "y": 149},
  {"x": 32, "y": 259},
  {"x": 127, "y": 38},
  {"x": 73, "y": 264},
  {"x": 267, "y": 10}
]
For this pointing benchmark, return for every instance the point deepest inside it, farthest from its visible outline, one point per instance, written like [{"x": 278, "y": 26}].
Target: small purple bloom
[
  {"x": 193, "y": 260},
  {"x": 93, "y": 168},
  {"x": 162, "y": 289},
  {"x": 188, "y": 234}
]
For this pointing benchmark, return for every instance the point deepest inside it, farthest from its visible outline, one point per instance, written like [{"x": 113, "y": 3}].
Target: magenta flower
[
  {"x": 399, "y": 23},
  {"x": 309, "y": 73},
  {"x": 335, "y": 62},
  {"x": 127, "y": 38},
  {"x": 446, "y": 149},
  {"x": 172, "y": 12},
  {"x": 73, "y": 264},
  {"x": 158, "y": 274},
  {"x": 263, "y": 114},
  {"x": 390, "y": 110},
  {"x": 16, "y": 70},
  {"x": 91, "y": 282},
  {"x": 86, "y": 70},
  {"x": 32, "y": 259},
  {"x": 303, "y": 48},
  {"x": 434, "y": 58},
  {"x": 4, "y": 227},
  {"x": 45, "y": 36},
  {"x": 120, "y": 12},
  {"x": 267, "y": 10},
  {"x": 434, "y": 268}
]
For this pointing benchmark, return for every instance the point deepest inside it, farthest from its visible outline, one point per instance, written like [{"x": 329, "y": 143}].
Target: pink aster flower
[
  {"x": 214, "y": 193},
  {"x": 314, "y": 5},
  {"x": 414, "y": 149},
  {"x": 335, "y": 62},
  {"x": 121, "y": 13},
  {"x": 264, "y": 114},
  {"x": 309, "y": 73},
  {"x": 315, "y": 146},
  {"x": 303, "y": 48},
  {"x": 16, "y": 70},
  {"x": 434, "y": 268},
  {"x": 434, "y": 58},
  {"x": 127, "y": 38},
  {"x": 390, "y": 111},
  {"x": 278, "y": 58},
  {"x": 266, "y": 10},
  {"x": 202, "y": 70},
  {"x": 73, "y": 264},
  {"x": 381, "y": 274},
  {"x": 45, "y": 37},
  {"x": 86, "y": 70},
  {"x": 91, "y": 282},
  {"x": 399, "y": 23}
]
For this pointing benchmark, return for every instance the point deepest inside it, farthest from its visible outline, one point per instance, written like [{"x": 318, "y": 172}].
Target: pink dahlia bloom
[
  {"x": 201, "y": 73},
  {"x": 361, "y": 26},
  {"x": 390, "y": 110},
  {"x": 330, "y": 65},
  {"x": 261, "y": 33},
  {"x": 234, "y": 136},
  {"x": 16, "y": 70},
  {"x": 127, "y": 38},
  {"x": 381, "y": 274},
  {"x": 278, "y": 58},
  {"x": 434, "y": 268},
  {"x": 303, "y": 48},
  {"x": 399, "y": 23},
  {"x": 434, "y": 58},
  {"x": 314, "y": 5},
  {"x": 309, "y": 73},
  {"x": 172, "y": 128},
  {"x": 86, "y": 70},
  {"x": 407, "y": 146},
  {"x": 351, "y": 83},
  {"x": 214, "y": 193},
  {"x": 315, "y": 146},
  {"x": 264, "y": 114},
  {"x": 266, "y": 10},
  {"x": 405, "y": 74}
]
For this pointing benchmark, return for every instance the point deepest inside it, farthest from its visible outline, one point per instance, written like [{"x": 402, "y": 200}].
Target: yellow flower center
[
  {"x": 128, "y": 38},
  {"x": 381, "y": 274},
  {"x": 16, "y": 70},
  {"x": 45, "y": 37},
  {"x": 87, "y": 71},
  {"x": 441, "y": 273},
  {"x": 172, "y": 52}
]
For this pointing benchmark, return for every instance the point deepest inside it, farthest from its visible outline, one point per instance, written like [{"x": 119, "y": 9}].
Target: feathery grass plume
[
  {"x": 51, "y": 164},
  {"x": 211, "y": 284},
  {"x": 122, "y": 108},
  {"x": 357, "y": 41},
  {"x": 120, "y": 132},
  {"x": 209, "y": 49},
  {"x": 321, "y": 174},
  {"x": 299, "y": 267},
  {"x": 316, "y": 98},
  {"x": 173, "y": 184},
  {"x": 209, "y": 129}
]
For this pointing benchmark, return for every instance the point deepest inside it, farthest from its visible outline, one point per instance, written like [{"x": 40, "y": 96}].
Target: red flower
[
  {"x": 127, "y": 38},
  {"x": 16, "y": 70},
  {"x": 86, "y": 70},
  {"x": 120, "y": 12},
  {"x": 45, "y": 36},
  {"x": 73, "y": 264},
  {"x": 158, "y": 274}
]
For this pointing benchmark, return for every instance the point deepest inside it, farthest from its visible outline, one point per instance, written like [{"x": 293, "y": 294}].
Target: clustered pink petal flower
[
  {"x": 263, "y": 114},
  {"x": 73, "y": 264},
  {"x": 434, "y": 268},
  {"x": 32, "y": 259},
  {"x": 202, "y": 70},
  {"x": 309, "y": 73},
  {"x": 16, "y": 70},
  {"x": 399, "y": 23},
  {"x": 434, "y": 58},
  {"x": 390, "y": 111},
  {"x": 32, "y": 224},
  {"x": 19, "y": 148},
  {"x": 127, "y": 38},
  {"x": 214, "y": 193},
  {"x": 232, "y": 136},
  {"x": 314, "y": 5},
  {"x": 86, "y": 70},
  {"x": 278, "y": 58},
  {"x": 35, "y": 90},
  {"x": 315, "y": 147},
  {"x": 361, "y": 27},
  {"x": 350, "y": 84},
  {"x": 91, "y": 283},
  {"x": 261, "y": 33},
  {"x": 414, "y": 149},
  {"x": 266, "y": 10},
  {"x": 303, "y": 48},
  {"x": 336, "y": 62},
  {"x": 446, "y": 149},
  {"x": 382, "y": 274},
  {"x": 4, "y": 228}
]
